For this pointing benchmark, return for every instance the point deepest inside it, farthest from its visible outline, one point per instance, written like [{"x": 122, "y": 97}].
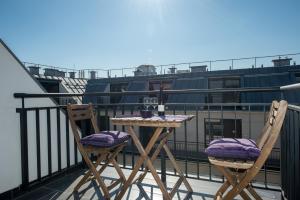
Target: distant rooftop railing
[{"x": 178, "y": 68}]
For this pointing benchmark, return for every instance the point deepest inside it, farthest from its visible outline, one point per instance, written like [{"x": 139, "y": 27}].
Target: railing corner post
[{"x": 24, "y": 148}]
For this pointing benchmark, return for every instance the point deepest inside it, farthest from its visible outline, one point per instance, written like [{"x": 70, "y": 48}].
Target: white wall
[{"x": 14, "y": 78}]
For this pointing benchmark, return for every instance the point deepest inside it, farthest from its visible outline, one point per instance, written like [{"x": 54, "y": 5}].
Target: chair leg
[
  {"x": 222, "y": 190},
  {"x": 112, "y": 159},
  {"x": 233, "y": 182},
  {"x": 82, "y": 181},
  {"x": 243, "y": 184},
  {"x": 253, "y": 192},
  {"x": 119, "y": 171},
  {"x": 249, "y": 187},
  {"x": 96, "y": 174}
]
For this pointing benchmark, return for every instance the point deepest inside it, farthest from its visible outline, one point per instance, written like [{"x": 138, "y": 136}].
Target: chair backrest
[
  {"x": 79, "y": 113},
  {"x": 267, "y": 127},
  {"x": 271, "y": 130}
]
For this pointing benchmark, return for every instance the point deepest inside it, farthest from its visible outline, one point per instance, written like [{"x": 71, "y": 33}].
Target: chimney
[
  {"x": 280, "y": 62},
  {"x": 50, "y": 72},
  {"x": 201, "y": 68},
  {"x": 93, "y": 74},
  {"x": 61, "y": 73},
  {"x": 34, "y": 70},
  {"x": 72, "y": 74},
  {"x": 54, "y": 72},
  {"x": 172, "y": 70}
]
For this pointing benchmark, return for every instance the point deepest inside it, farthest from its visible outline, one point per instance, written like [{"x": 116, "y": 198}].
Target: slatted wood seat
[
  {"x": 104, "y": 155},
  {"x": 231, "y": 163},
  {"x": 239, "y": 174}
]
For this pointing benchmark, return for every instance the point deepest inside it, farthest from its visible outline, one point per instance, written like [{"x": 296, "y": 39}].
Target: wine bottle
[{"x": 161, "y": 106}]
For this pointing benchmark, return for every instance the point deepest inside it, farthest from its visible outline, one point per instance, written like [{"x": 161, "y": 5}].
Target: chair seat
[
  {"x": 105, "y": 139},
  {"x": 233, "y": 149},
  {"x": 236, "y": 164}
]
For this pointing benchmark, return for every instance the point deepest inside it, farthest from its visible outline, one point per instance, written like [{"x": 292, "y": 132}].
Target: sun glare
[{"x": 154, "y": 8}]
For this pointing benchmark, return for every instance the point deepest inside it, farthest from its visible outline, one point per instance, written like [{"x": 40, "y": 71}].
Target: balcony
[
  {"x": 51, "y": 164},
  {"x": 62, "y": 188}
]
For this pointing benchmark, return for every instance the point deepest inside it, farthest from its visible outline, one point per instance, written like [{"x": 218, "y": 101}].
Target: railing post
[{"x": 24, "y": 147}]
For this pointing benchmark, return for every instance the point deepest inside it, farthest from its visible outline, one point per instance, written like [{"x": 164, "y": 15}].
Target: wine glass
[
  {"x": 147, "y": 102},
  {"x": 154, "y": 102}
]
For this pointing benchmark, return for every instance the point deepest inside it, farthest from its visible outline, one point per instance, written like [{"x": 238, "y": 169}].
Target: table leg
[
  {"x": 163, "y": 158},
  {"x": 181, "y": 175},
  {"x": 163, "y": 167},
  {"x": 153, "y": 158},
  {"x": 159, "y": 150},
  {"x": 144, "y": 157}
]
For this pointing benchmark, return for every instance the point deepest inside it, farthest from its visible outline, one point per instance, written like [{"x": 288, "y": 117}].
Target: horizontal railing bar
[
  {"x": 185, "y": 91},
  {"x": 219, "y": 104},
  {"x": 50, "y": 66},
  {"x": 228, "y": 59},
  {"x": 294, "y": 107},
  {"x": 18, "y": 110},
  {"x": 290, "y": 87}
]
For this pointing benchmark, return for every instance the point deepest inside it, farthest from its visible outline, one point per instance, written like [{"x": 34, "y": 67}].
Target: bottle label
[{"x": 161, "y": 108}]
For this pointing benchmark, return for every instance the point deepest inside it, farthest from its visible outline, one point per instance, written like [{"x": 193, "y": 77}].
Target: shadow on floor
[
  {"x": 63, "y": 189},
  {"x": 135, "y": 194}
]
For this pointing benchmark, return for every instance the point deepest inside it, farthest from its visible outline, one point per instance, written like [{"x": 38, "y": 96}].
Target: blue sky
[{"x": 123, "y": 33}]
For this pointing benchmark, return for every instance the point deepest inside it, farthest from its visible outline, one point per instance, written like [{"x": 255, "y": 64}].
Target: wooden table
[{"x": 168, "y": 121}]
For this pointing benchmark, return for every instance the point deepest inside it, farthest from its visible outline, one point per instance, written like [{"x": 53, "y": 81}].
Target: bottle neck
[{"x": 161, "y": 98}]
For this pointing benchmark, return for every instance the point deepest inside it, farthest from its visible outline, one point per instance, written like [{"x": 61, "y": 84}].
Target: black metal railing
[
  {"x": 187, "y": 143},
  {"x": 290, "y": 154},
  {"x": 49, "y": 113}
]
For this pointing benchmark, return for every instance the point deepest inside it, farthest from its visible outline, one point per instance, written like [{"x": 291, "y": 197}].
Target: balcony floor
[{"x": 62, "y": 188}]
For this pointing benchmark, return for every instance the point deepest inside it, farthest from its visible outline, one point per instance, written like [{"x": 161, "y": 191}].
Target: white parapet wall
[{"x": 14, "y": 78}]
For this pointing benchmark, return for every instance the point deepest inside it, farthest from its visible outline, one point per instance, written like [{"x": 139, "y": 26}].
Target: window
[
  {"x": 224, "y": 82},
  {"x": 117, "y": 87},
  {"x": 297, "y": 75},
  {"x": 219, "y": 128},
  {"x": 155, "y": 85}
]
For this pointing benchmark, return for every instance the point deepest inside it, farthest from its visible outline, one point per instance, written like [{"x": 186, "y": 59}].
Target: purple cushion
[
  {"x": 233, "y": 148},
  {"x": 105, "y": 138}
]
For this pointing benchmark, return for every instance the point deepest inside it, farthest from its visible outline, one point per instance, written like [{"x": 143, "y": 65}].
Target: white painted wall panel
[
  {"x": 32, "y": 146},
  {"x": 14, "y": 78},
  {"x": 54, "y": 156},
  {"x": 63, "y": 141},
  {"x": 71, "y": 137},
  {"x": 43, "y": 143}
]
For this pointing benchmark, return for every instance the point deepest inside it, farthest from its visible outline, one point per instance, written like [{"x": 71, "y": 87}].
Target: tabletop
[{"x": 154, "y": 121}]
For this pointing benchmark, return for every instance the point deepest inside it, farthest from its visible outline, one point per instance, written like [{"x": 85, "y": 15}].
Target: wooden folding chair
[
  {"x": 239, "y": 174},
  {"x": 105, "y": 154}
]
